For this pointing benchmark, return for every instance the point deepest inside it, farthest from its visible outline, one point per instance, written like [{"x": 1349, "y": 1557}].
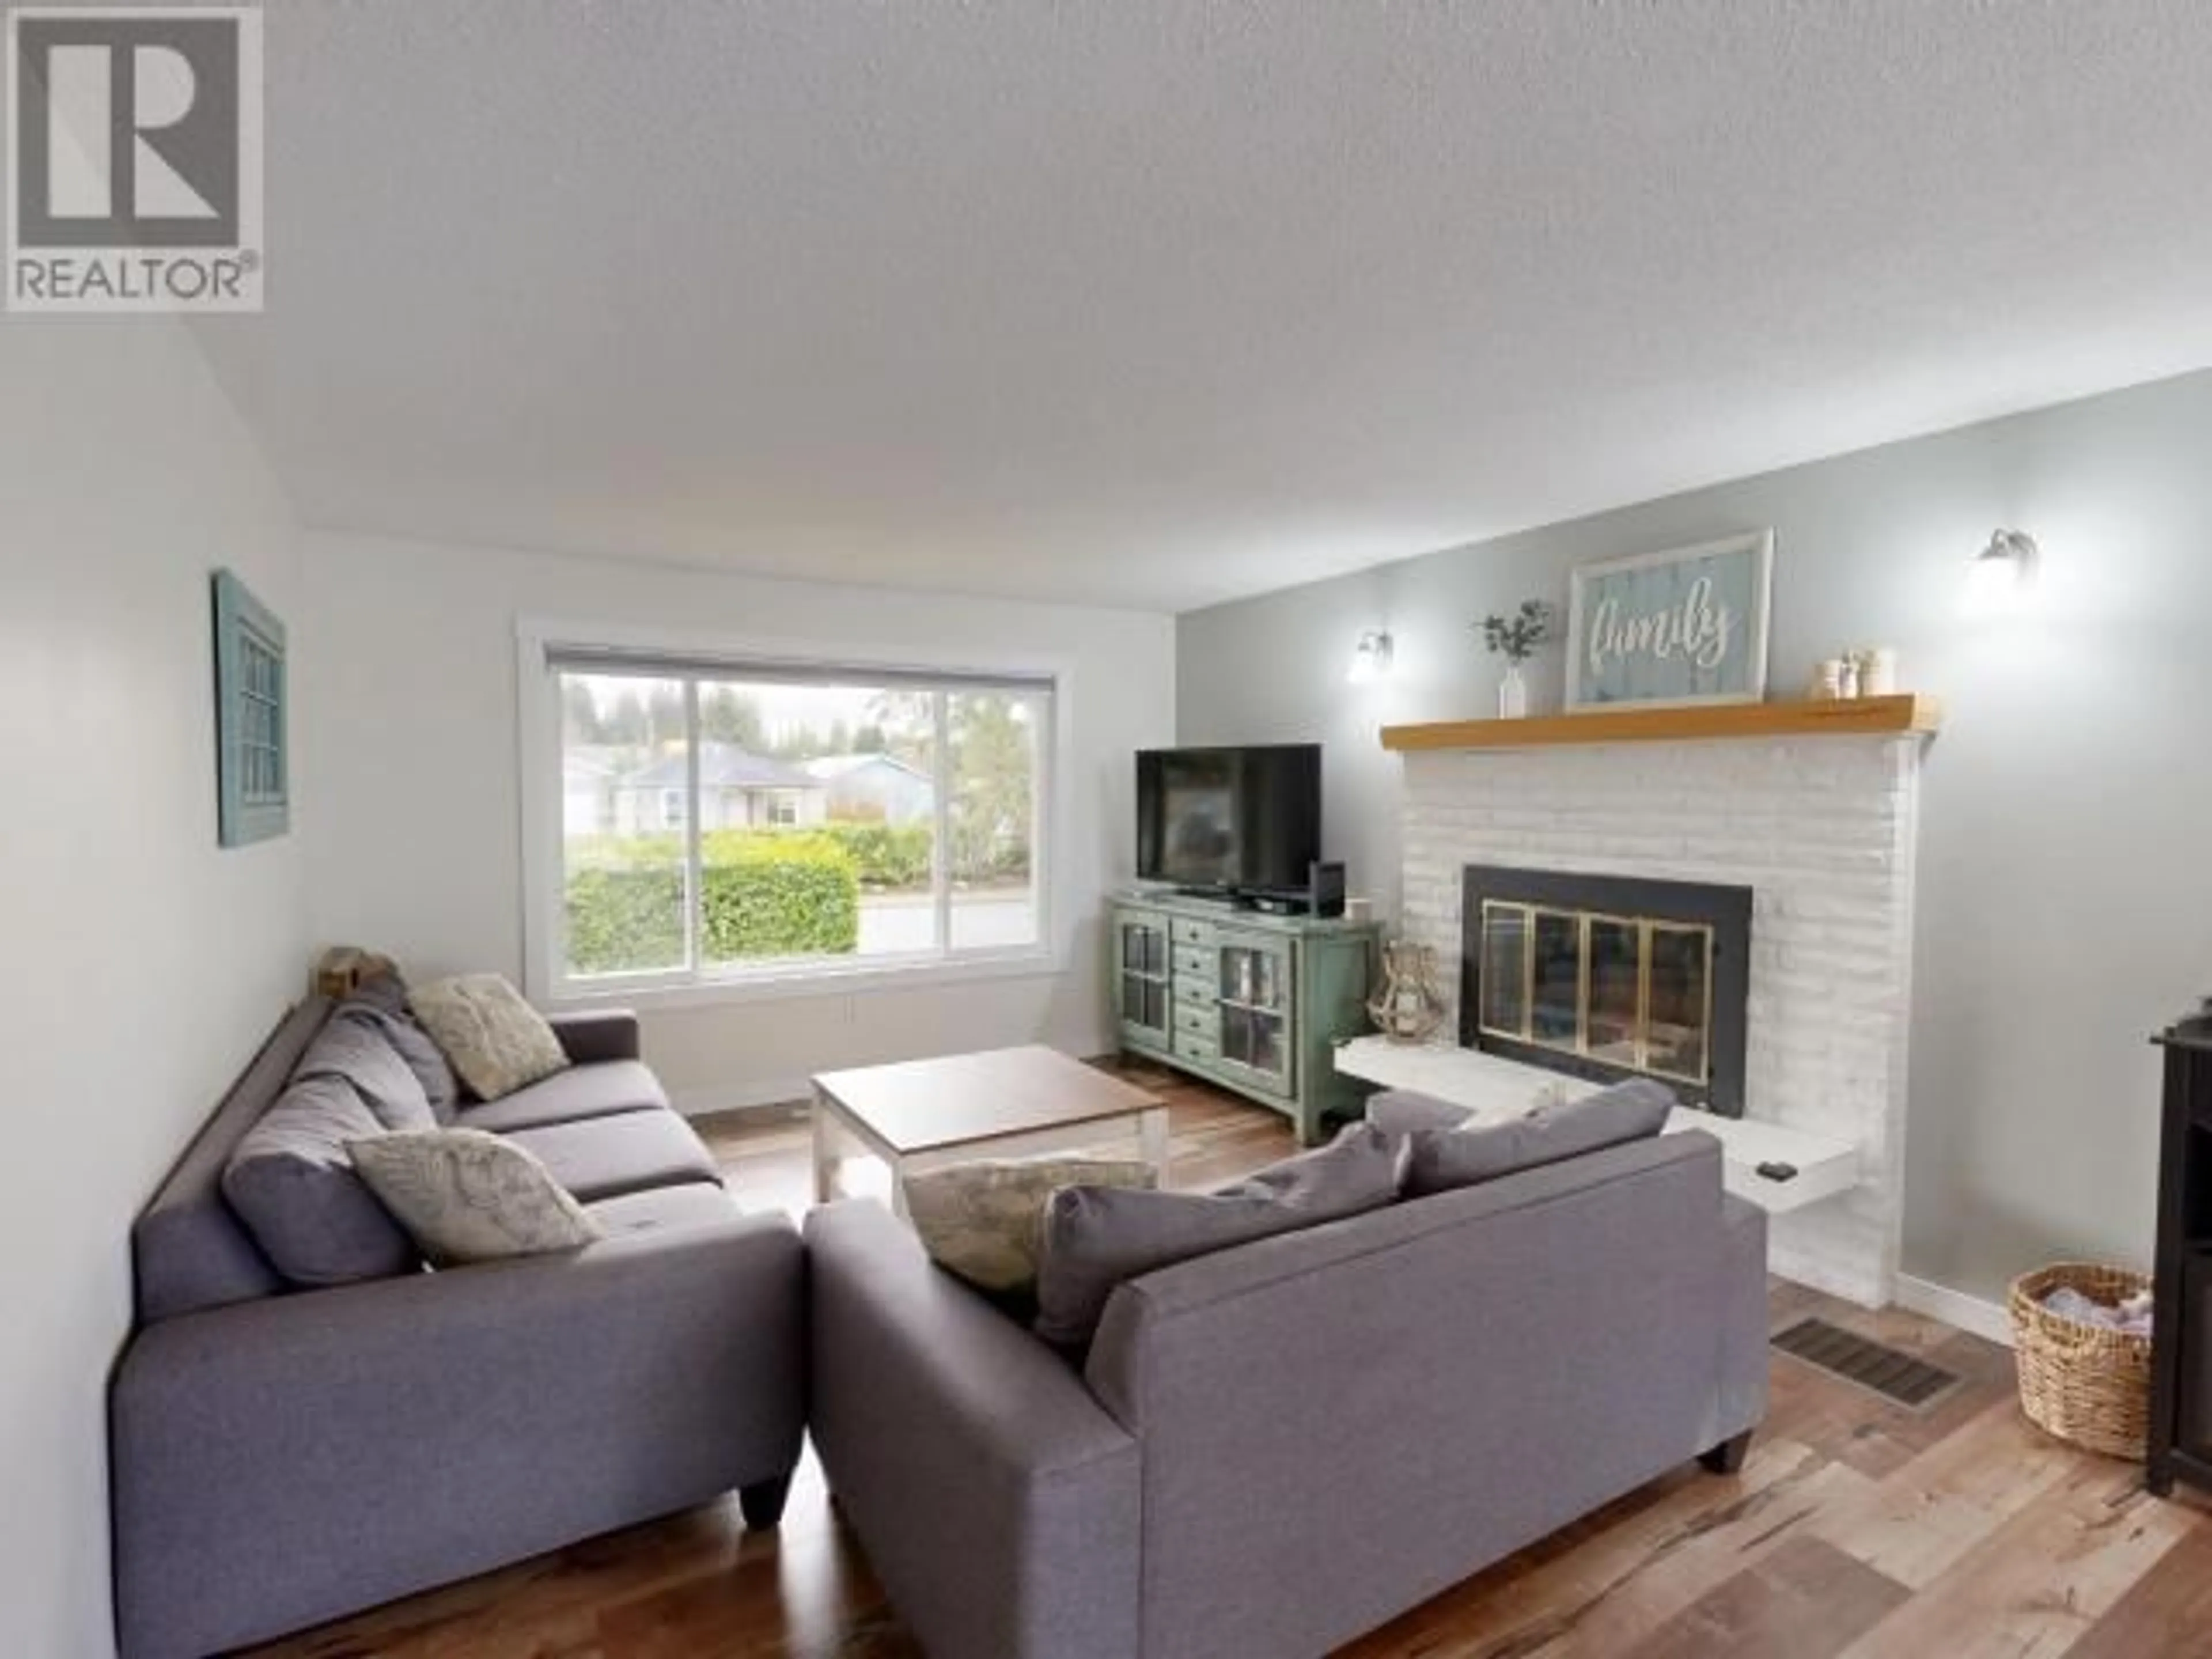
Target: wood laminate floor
[{"x": 1857, "y": 1530}]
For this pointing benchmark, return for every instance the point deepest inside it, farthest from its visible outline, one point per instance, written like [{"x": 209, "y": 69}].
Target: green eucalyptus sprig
[{"x": 1516, "y": 637}]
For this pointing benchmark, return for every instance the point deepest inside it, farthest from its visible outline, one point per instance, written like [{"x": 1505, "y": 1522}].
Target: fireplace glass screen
[{"x": 1634, "y": 992}]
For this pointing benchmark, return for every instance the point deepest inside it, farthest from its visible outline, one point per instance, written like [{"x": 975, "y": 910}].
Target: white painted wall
[
  {"x": 2065, "y": 891},
  {"x": 142, "y": 965},
  {"x": 407, "y": 674}
]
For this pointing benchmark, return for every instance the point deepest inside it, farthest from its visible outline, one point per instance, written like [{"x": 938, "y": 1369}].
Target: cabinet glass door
[
  {"x": 1140, "y": 976},
  {"x": 1254, "y": 998}
]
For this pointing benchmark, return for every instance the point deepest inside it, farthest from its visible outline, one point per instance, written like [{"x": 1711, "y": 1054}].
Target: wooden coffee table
[{"x": 1003, "y": 1103}]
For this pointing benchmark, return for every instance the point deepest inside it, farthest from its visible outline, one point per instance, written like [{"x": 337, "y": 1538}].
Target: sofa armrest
[
  {"x": 997, "y": 1502},
  {"x": 282, "y": 1462},
  {"x": 1742, "y": 1402},
  {"x": 593, "y": 1035}
]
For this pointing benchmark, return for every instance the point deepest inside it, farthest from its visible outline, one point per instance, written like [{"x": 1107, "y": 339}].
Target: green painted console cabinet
[{"x": 1250, "y": 1001}]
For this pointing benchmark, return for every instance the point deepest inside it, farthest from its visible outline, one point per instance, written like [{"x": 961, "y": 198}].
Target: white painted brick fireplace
[{"x": 1821, "y": 828}]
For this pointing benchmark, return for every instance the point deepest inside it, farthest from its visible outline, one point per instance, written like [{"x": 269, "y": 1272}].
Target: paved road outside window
[{"x": 891, "y": 923}]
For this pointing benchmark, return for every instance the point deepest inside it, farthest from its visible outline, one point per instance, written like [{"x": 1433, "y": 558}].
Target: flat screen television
[{"x": 1230, "y": 820}]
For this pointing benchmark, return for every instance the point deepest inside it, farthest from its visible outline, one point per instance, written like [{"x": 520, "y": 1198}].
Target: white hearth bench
[{"x": 1494, "y": 1087}]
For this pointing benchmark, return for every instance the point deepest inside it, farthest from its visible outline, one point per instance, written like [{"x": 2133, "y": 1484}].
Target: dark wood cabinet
[{"x": 2181, "y": 1338}]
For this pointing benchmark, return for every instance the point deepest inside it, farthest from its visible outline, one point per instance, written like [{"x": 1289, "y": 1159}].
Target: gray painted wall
[{"x": 2065, "y": 904}]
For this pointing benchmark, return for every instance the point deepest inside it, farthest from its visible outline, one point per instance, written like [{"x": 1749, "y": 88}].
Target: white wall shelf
[{"x": 1498, "y": 1089}]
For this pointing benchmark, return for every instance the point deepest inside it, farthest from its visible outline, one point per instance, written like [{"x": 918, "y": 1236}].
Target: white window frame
[{"x": 540, "y": 642}]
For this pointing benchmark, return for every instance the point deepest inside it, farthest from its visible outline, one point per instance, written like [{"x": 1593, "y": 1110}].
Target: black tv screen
[{"x": 1231, "y": 819}]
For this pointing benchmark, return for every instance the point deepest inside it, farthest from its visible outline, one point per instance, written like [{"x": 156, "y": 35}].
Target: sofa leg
[
  {"x": 763, "y": 1503},
  {"x": 1727, "y": 1457}
]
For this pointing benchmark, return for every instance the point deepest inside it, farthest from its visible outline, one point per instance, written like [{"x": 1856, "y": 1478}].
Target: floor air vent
[{"x": 1900, "y": 1378}]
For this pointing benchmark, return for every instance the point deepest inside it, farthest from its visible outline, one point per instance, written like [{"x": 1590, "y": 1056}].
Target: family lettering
[{"x": 1698, "y": 628}]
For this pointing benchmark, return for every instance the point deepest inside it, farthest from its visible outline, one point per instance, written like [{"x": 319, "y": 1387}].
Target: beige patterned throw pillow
[
  {"x": 496, "y": 1042},
  {"x": 980, "y": 1221},
  {"x": 463, "y": 1195}
]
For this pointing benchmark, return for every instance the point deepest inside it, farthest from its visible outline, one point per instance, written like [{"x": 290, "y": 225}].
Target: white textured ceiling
[{"x": 1160, "y": 302}]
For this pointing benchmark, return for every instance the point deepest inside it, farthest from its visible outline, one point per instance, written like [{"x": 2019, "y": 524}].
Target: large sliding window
[{"x": 723, "y": 822}]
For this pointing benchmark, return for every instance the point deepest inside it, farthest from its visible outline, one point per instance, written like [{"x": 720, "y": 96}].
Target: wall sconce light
[
  {"x": 1370, "y": 658},
  {"x": 2004, "y": 570}
]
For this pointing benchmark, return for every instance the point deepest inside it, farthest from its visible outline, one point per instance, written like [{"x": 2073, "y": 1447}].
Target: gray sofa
[
  {"x": 1274, "y": 1449},
  {"x": 280, "y": 1457}
]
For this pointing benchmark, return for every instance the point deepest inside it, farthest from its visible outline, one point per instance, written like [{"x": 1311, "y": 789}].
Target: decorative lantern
[{"x": 1410, "y": 1008}]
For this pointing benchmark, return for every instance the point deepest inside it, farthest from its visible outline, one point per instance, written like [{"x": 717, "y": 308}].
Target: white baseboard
[
  {"x": 1971, "y": 1313},
  {"x": 1815, "y": 1270},
  {"x": 740, "y": 1096}
]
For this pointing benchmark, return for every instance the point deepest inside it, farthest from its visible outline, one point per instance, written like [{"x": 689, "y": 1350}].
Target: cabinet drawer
[
  {"x": 1188, "y": 1045},
  {"x": 1190, "y": 959},
  {"x": 1202, "y": 1022},
  {"x": 1189, "y": 988},
  {"x": 1188, "y": 931}
]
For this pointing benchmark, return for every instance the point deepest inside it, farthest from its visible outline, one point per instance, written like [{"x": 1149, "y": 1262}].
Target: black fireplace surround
[{"x": 1562, "y": 943}]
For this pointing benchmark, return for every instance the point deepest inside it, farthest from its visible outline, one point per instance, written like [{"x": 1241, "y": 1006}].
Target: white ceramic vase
[{"x": 1512, "y": 694}]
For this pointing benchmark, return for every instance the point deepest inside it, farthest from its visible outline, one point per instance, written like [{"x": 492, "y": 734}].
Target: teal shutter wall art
[{"x": 252, "y": 718}]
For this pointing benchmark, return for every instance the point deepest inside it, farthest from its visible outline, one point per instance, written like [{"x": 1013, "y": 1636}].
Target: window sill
[{"x": 813, "y": 979}]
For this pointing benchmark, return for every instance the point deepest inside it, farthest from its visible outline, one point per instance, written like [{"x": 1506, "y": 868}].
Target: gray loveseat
[
  {"x": 1274, "y": 1449},
  {"x": 283, "y": 1456}
]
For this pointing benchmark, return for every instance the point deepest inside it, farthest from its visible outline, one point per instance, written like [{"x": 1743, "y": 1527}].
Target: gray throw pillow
[
  {"x": 495, "y": 1039},
  {"x": 1399, "y": 1112},
  {"x": 981, "y": 1221},
  {"x": 465, "y": 1195},
  {"x": 1439, "y": 1160},
  {"x": 359, "y": 1052},
  {"x": 1095, "y": 1238},
  {"x": 292, "y": 1182},
  {"x": 382, "y": 1001}
]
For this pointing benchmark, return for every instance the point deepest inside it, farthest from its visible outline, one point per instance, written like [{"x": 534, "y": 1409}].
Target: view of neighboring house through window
[{"x": 715, "y": 822}]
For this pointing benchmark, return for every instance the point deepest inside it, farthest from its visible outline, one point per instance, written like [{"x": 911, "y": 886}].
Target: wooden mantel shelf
[{"x": 1853, "y": 717}]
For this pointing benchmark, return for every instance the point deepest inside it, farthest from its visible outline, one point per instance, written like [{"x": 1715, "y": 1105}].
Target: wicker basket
[{"x": 2087, "y": 1386}]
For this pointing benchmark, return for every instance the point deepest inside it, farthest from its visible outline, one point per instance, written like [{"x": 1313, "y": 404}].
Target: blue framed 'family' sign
[
  {"x": 252, "y": 712},
  {"x": 1672, "y": 630}
]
